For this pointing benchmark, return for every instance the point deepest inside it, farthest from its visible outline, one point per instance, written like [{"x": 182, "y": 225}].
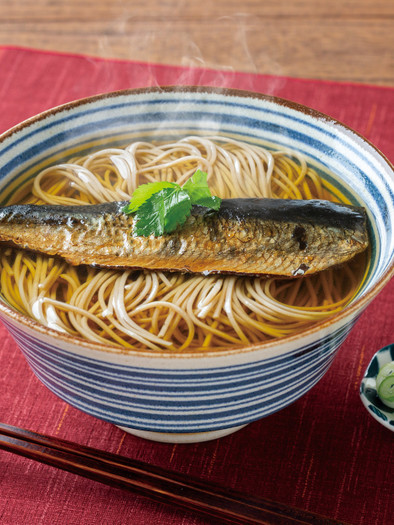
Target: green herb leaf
[
  {"x": 198, "y": 189},
  {"x": 144, "y": 192},
  {"x": 162, "y": 212},
  {"x": 160, "y": 207}
]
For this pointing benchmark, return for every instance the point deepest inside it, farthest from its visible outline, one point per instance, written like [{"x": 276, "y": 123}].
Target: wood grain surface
[{"x": 342, "y": 40}]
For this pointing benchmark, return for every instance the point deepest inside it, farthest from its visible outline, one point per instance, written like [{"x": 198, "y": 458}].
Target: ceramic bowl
[
  {"x": 368, "y": 393},
  {"x": 194, "y": 397}
]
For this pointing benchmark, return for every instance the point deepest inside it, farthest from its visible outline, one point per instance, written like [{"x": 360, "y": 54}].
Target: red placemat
[{"x": 324, "y": 453}]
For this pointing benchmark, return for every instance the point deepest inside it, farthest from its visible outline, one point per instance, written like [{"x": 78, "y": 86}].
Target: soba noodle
[{"x": 172, "y": 311}]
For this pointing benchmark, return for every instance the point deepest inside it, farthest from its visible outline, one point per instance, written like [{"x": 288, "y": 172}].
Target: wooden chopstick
[{"x": 157, "y": 483}]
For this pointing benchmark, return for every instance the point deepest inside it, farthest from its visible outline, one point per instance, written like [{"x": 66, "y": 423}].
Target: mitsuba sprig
[{"x": 160, "y": 207}]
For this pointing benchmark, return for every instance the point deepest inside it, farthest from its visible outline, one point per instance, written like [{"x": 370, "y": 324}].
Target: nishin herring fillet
[{"x": 246, "y": 236}]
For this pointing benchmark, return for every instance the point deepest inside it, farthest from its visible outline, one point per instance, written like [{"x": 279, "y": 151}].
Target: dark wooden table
[{"x": 342, "y": 40}]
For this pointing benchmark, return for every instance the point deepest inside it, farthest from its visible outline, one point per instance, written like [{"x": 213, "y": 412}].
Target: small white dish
[{"x": 368, "y": 393}]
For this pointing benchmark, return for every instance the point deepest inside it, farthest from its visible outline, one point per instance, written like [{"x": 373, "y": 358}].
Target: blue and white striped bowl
[{"x": 193, "y": 397}]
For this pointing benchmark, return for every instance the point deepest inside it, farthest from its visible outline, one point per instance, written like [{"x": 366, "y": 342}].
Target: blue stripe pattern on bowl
[{"x": 181, "y": 400}]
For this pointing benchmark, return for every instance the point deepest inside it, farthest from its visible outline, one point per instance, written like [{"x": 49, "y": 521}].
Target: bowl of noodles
[{"x": 174, "y": 356}]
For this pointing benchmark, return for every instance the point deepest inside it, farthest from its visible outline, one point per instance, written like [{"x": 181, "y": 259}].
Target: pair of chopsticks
[{"x": 157, "y": 483}]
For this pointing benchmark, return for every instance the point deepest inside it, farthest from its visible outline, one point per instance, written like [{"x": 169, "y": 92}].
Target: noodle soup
[
  {"x": 188, "y": 372},
  {"x": 156, "y": 311}
]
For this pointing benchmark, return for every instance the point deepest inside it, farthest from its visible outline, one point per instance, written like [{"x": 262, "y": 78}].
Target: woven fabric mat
[{"x": 324, "y": 453}]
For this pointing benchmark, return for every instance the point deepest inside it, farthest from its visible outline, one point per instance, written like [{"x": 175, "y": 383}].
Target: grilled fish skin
[{"x": 277, "y": 237}]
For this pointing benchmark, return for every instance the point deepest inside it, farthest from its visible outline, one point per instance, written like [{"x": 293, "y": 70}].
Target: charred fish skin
[
  {"x": 276, "y": 237},
  {"x": 314, "y": 211}
]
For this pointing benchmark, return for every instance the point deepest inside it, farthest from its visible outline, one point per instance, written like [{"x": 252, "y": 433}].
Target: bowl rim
[{"x": 350, "y": 310}]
